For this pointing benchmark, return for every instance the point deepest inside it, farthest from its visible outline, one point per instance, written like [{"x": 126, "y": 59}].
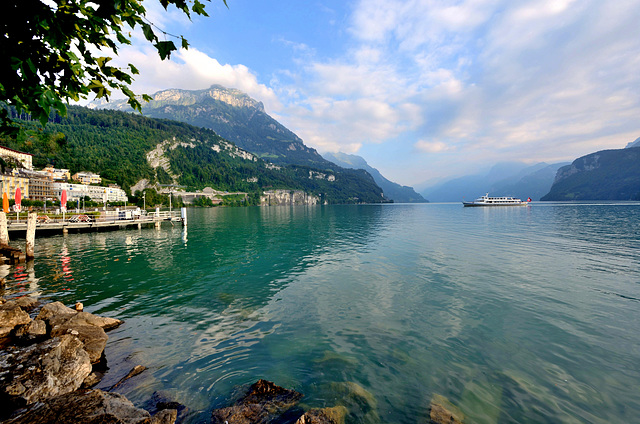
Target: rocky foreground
[{"x": 51, "y": 356}]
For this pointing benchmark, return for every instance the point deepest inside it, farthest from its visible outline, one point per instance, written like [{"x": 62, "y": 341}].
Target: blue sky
[{"x": 422, "y": 89}]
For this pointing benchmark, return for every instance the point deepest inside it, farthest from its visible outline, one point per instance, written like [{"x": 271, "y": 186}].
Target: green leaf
[
  {"x": 148, "y": 31},
  {"x": 165, "y": 48},
  {"x": 185, "y": 43}
]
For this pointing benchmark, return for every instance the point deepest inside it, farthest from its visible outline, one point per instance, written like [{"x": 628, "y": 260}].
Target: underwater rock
[
  {"x": 262, "y": 402},
  {"x": 333, "y": 415},
  {"x": 359, "y": 402},
  {"x": 444, "y": 412}
]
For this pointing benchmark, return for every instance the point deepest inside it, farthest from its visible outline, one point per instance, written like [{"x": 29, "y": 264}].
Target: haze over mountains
[
  {"x": 515, "y": 179},
  {"x": 394, "y": 191}
]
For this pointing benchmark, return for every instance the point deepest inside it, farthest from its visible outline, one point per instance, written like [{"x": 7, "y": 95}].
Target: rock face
[
  {"x": 262, "y": 402},
  {"x": 51, "y": 368},
  {"x": 89, "y": 407},
  {"x": 288, "y": 197}
]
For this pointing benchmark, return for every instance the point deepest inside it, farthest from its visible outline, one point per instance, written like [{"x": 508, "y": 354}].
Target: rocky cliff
[{"x": 288, "y": 197}]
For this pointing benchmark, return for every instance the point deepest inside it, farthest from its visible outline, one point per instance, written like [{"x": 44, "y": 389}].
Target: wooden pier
[{"x": 109, "y": 223}]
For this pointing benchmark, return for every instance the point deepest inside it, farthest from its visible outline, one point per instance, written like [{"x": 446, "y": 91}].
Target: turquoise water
[{"x": 515, "y": 315}]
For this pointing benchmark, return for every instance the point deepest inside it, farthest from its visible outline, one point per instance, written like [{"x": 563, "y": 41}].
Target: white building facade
[{"x": 97, "y": 194}]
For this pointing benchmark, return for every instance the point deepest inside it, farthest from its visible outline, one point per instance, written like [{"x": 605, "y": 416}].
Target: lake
[{"x": 515, "y": 315}]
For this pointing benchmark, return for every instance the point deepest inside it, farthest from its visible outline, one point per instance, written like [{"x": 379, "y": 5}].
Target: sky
[{"x": 424, "y": 90}]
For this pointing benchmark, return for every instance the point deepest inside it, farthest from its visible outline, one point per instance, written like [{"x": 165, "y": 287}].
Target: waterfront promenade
[{"x": 101, "y": 223}]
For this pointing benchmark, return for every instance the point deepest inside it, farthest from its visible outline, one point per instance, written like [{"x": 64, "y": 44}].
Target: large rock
[
  {"x": 262, "y": 403},
  {"x": 333, "y": 415},
  {"x": 86, "y": 407},
  {"x": 34, "y": 331},
  {"x": 11, "y": 315},
  {"x": 94, "y": 338},
  {"x": 41, "y": 371},
  {"x": 87, "y": 327}
]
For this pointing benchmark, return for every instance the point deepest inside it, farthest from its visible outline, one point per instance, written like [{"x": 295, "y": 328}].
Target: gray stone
[
  {"x": 86, "y": 407},
  {"x": 11, "y": 315},
  {"x": 32, "y": 332},
  {"x": 41, "y": 371}
]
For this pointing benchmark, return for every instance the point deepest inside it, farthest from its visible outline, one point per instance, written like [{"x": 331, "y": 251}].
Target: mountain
[
  {"x": 635, "y": 143},
  {"x": 603, "y": 175},
  {"x": 393, "y": 191},
  {"x": 233, "y": 115},
  {"x": 515, "y": 179},
  {"x": 126, "y": 148}
]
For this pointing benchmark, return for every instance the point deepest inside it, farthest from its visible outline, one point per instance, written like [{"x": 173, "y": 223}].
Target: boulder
[
  {"x": 41, "y": 371},
  {"x": 27, "y": 303},
  {"x": 55, "y": 313},
  {"x": 11, "y": 315},
  {"x": 94, "y": 338},
  {"x": 262, "y": 403},
  {"x": 87, "y": 407},
  {"x": 32, "y": 332},
  {"x": 335, "y": 415}
]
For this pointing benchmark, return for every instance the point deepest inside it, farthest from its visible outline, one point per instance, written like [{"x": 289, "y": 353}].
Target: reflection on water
[{"x": 513, "y": 314}]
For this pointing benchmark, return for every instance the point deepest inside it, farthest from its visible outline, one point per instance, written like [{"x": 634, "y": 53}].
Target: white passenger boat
[{"x": 497, "y": 201}]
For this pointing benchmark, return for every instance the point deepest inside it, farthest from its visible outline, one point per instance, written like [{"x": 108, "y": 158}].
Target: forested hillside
[
  {"x": 604, "y": 175},
  {"x": 115, "y": 145}
]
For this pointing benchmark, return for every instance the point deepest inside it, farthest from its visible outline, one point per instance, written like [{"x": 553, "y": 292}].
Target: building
[
  {"x": 11, "y": 182},
  {"x": 58, "y": 174},
  {"x": 87, "y": 178},
  {"x": 40, "y": 184},
  {"x": 26, "y": 159},
  {"x": 76, "y": 192}
]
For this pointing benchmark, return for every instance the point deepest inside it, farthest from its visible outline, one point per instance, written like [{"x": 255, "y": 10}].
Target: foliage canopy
[{"x": 51, "y": 50}]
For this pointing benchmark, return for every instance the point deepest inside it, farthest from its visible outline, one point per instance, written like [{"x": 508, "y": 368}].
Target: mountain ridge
[
  {"x": 393, "y": 191},
  {"x": 233, "y": 115}
]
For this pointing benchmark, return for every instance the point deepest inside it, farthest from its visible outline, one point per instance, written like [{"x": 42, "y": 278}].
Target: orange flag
[{"x": 5, "y": 202}]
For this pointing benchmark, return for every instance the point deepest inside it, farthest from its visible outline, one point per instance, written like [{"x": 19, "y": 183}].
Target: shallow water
[{"x": 526, "y": 314}]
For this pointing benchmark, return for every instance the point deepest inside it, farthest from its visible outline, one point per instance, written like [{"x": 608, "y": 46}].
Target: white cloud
[
  {"x": 192, "y": 70},
  {"x": 432, "y": 146}
]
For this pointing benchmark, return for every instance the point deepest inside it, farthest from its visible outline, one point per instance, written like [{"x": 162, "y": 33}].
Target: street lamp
[{"x": 144, "y": 201}]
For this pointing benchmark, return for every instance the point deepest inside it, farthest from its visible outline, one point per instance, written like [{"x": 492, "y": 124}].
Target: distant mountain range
[
  {"x": 603, "y": 175},
  {"x": 515, "y": 179},
  {"x": 233, "y": 115},
  {"x": 127, "y": 148},
  {"x": 391, "y": 190}
]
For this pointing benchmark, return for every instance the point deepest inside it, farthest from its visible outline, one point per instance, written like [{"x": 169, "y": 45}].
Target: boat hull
[{"x": 490, "y": 205}]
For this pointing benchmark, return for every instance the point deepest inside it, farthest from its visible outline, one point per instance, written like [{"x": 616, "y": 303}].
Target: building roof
[{"x": 16, "y": 151}]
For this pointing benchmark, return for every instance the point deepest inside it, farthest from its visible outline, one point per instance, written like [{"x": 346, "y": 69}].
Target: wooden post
[
  {"x": 31, "y": 235},
  {"x": 157, "y": 224},
  {"x": 4, "y": 231}
]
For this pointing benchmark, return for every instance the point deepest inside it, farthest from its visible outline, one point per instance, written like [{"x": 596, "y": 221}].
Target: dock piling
[
  {"x": 4, "y": 231},
  {"x": 31, "y": 235}
]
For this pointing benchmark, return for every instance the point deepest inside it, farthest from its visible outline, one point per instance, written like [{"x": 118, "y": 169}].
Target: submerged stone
[
  {"x": 335, "y": 415},
  {"x": 444, "y": 412},
  {"x": 263, "y": 402}
]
